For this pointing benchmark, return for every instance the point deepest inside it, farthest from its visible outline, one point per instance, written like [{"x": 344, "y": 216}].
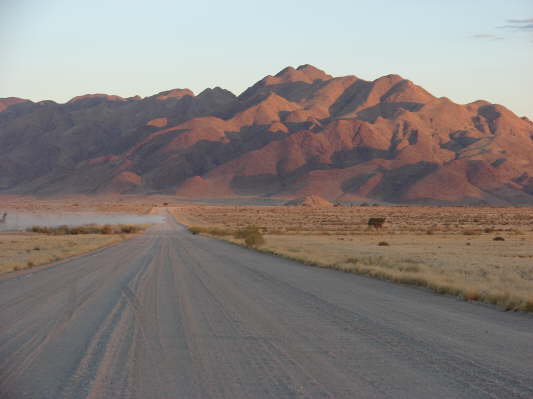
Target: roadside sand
[{"x": 22, "y": 250}]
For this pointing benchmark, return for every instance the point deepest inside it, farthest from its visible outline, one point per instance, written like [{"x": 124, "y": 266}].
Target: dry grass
[
  {"x": 45, "y": 244},
  {"x": 89, "y": 229},
  {"x": 76, "y": 203},
  {"x": 22, "y": 250},
  {"x": 449, "y": 250},
  {"x": 468, "y": 221}
]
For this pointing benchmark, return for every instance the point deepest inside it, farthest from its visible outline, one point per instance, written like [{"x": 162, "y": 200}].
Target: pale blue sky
[{"x": 462, "y": 49}]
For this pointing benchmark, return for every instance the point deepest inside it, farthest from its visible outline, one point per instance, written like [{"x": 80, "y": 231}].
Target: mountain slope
[{"x": 300, "y": 132}]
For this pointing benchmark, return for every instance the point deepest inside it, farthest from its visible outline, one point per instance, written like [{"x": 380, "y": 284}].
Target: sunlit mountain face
[{"x": 299, "y": 132}]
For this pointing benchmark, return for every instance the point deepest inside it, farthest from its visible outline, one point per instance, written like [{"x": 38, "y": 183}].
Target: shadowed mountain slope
[{"x": 300, "y": 132}]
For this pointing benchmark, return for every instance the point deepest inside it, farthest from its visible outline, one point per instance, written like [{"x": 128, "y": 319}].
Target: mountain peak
[
  {"x": 174, "y": 93},
  {"x": 393, "y": 78},
  {"x": 304, "y": 73},
  {"x": 95, "y": 96},
  {"x": 9, "y": 101},
  {"x": 313, "y": 72},
  {"x": 216, "y": 91},
  {"x": 303, "y": 67},
  {"x": 287, "y": 71}
]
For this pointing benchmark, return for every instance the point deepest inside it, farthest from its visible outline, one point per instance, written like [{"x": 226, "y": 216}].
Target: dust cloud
[{"x": 19, "y": 221}]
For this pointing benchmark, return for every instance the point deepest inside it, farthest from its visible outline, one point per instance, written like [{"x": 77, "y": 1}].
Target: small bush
[
  {"x": 252, "y": 236},
  {"x": 219, "y": 232},
  {"x": 243, "y": 233},
  {"x": 129, "y": 229},
  {"x": 383, "y": 244},
  {"x": 196, "y": 230},
  {"x": 471, "y": 232},
  {"x": 87, "y": 229},
  {"x": 30, "y": 264},
  {"x": 254, "y": 239},
  {"x": 409, "y": 268},
  {"x": 40, "y": 229},
  {"x": 498, "y": 238}
]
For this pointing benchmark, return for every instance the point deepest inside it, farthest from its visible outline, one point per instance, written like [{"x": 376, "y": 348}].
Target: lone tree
[
  {"x": 4, "y": 216},
  {"x": 376, "y": 223}
]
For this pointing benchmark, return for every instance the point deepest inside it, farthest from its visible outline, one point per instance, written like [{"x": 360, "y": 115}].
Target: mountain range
[{"x": 300, "y": 132}]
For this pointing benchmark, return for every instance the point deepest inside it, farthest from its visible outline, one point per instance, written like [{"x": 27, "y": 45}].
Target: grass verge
[
  {"x": 23, "y": 250},
  {"x": 500, "y": 276},
  {"x": 410, "y": 274}
]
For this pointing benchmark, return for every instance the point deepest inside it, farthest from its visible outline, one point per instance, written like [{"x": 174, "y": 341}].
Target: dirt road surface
[{"x": 172, "y": 315}]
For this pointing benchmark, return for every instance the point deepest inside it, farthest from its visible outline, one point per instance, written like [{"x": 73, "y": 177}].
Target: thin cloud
[
  {"x": 486, "y": 36},
  {"x": 518, "y": 24},
  {"x": 520, "y": 21},
  {"x": 517, "y": 27}
]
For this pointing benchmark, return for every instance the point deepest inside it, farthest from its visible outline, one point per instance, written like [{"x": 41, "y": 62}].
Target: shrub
[
  {"x": 383, "y": 244},
  {"x": 243, "y": 233},
  {"x": 40, "y": 229},
  {"x": 254, "y": 239},
  {"x": 252, "y": 236},
  {"x": 498, "y": 238},
  {"x": 61, "y": 230},
  {"x": 87, "y": 229},
  {"x": 129, "y": 228},
  {"x": 196, "y": 230},
  {"x": 219, "y": 232}
]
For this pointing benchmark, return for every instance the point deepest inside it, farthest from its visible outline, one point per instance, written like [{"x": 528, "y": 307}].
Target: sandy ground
[
  {"x": 478, "y": 266},
  {"x": 19, "y": 249},
  {"x": 124, "y": 204},
  {"x": 22, "y": 250}
]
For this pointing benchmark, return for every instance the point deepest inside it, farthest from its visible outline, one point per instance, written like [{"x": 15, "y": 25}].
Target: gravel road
[{"x": 172, "y": 315}]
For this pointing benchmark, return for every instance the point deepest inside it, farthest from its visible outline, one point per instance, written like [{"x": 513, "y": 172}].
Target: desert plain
[
  {"x": 475, "y": 253},
  {"x": 21, "y": 248}
]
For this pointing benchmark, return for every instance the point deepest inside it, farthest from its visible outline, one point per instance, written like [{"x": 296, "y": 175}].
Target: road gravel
[{"x": 172, "y": 315}]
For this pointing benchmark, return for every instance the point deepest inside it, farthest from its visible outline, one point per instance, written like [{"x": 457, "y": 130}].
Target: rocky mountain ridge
[{"x": 300, "y": 132}]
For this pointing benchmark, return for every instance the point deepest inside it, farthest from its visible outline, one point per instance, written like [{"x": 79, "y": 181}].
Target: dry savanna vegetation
[
  {"x": 75, "y": 203},
  {"x": 483, "y": 254},
  {"x": 44, "y": 244}
]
